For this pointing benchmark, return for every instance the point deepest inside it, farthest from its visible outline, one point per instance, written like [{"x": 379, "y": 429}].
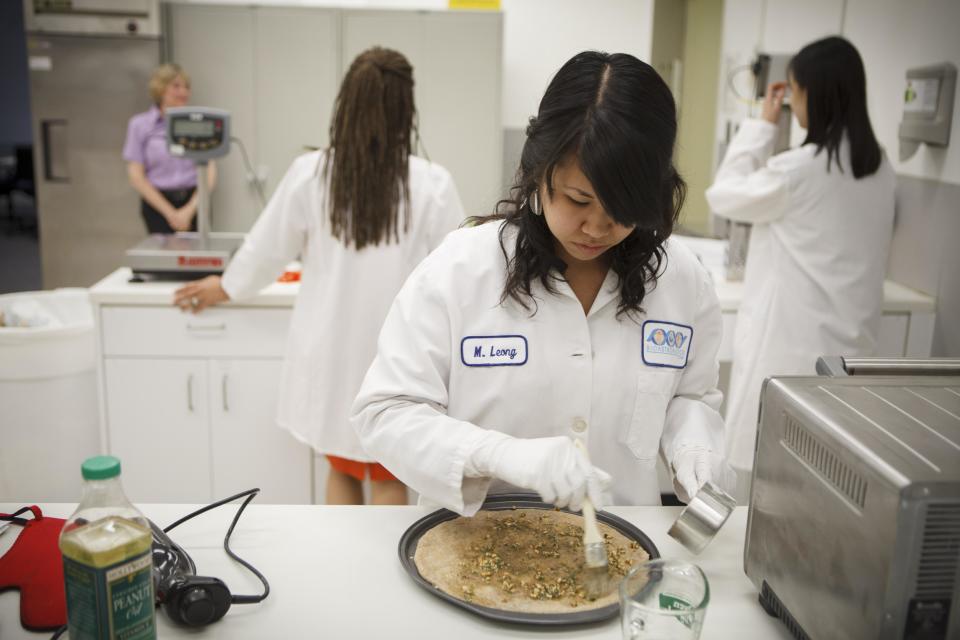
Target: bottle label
[{"x": 108, "y": 603}]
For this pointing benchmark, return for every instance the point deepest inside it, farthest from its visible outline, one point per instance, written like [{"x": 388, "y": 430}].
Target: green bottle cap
[{"x": 100, "y": 468}]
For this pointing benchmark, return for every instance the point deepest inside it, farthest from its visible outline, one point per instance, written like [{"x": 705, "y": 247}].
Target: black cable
[
  {"x": 251, "y": 494},
  {"x": 246, "y": 161},
  {"x": 214, "y": 505},
  {"x": 253, "y": 570},
  {"x": 13, "y": 517}
]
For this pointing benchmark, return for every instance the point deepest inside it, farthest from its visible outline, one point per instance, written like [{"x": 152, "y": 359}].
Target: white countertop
[
  {"x": 116, "y": 288},
  {"x": 896, "y": 297},
  {"x": 334, "y": 573}
]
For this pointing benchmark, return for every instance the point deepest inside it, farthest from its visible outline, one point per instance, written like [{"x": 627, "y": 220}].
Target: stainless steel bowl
[{"x": 700, "y": 520}]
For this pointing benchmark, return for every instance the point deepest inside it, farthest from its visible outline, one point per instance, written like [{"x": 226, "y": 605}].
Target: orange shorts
[{"x": 360, "y": 470}]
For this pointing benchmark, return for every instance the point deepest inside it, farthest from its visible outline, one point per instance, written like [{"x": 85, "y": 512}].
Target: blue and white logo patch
[
  {"x": 666, "y": 344},
  {"x": 493, "y": 351}
]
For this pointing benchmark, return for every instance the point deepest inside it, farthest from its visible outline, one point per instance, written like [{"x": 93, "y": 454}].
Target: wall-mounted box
[{"x": 927, "y": 107}]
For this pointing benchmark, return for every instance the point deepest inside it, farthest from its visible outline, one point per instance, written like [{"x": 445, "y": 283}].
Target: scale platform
[{"x": 182, "y": 256}]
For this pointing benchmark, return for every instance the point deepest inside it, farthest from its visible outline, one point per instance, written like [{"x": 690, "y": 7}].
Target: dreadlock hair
[
  {"x": 370, "y": 147},
  {"x": 831, "y": 72},
  {"x": 617, "y": 118}
]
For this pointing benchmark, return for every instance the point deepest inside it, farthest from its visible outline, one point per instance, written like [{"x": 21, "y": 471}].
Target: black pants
[{"x": 155, "y": 221}]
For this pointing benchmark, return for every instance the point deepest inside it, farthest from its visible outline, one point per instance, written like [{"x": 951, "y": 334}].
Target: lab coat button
[{"x": 579, "y": 425}]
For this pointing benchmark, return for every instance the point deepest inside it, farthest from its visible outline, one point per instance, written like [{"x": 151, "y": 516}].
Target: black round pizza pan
[{"x": 410, "y": 538}]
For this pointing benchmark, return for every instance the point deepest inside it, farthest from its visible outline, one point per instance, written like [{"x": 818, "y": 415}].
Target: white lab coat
[
  {"x": 344, "y": 293},
  {"x": 815, "y": 267},
  {"x": 428, "y": 395}
]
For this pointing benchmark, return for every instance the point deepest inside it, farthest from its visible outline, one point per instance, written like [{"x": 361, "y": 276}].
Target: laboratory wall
[
  {"x": 540, "y": 35},
  {"x": 892, "y": 36},
  {"x": 924, "y": 254},
  {"x": 697, "y": 102},
  {"x": 14, "y": 84}
]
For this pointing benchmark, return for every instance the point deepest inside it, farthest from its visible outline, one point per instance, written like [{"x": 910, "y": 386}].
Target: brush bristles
[
  {"x": 595, "y": 581},
  {"x": 595, "y": 555}
]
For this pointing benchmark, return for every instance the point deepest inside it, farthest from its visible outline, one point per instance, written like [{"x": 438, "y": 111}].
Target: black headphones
[
  {"x": 187, "y": 598},
  {"x": 190, "y": 599}
]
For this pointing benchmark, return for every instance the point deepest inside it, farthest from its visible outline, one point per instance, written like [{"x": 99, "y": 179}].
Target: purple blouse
[{"x": 147, "y": 144}]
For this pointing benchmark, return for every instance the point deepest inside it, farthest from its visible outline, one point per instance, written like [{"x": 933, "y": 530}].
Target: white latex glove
[
  {"x": 692, "y": 468},
  {"x": 553, "y": 467}
]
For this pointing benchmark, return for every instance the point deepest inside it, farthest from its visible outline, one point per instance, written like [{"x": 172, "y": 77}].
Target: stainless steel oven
[{"x": 854, "y": 518}]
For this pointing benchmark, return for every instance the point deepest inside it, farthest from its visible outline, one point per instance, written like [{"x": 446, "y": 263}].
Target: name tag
[
  {"x": 666, "y": 344},
  {"x": 493, "y": 351}
]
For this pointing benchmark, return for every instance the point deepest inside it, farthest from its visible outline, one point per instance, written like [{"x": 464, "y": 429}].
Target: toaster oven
[{"x": 854, "y": 520}]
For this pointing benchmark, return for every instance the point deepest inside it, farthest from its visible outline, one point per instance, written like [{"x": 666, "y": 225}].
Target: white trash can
[{"x": 49, "y": 411}]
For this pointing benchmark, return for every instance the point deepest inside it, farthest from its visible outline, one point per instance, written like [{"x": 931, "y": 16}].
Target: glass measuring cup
[{"x": 663, "y": 600}]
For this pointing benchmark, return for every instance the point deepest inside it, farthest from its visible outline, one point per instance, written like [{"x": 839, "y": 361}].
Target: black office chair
[
  {"x": 24, "y": 178},
  {"x": 22, "y": 182},
  {"x": 8, "y": 181}
]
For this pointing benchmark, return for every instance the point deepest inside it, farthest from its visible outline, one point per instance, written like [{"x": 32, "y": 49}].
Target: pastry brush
[{"x": 594, "y": 548}]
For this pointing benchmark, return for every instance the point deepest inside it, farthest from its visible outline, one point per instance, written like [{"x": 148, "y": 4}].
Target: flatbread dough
[{"x": 525, "y": 560}]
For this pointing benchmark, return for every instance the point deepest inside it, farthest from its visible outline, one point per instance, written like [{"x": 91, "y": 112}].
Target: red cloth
[
  {"x": 34, "y": 566},
  {"x": 360, "y": 470}
]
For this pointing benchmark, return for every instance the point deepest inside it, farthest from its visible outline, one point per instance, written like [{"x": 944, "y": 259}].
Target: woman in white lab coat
[
  {"x": 568, "y": 316},
  {"x": 361, "y": 215},
  {"x": 822, "y": 219}
]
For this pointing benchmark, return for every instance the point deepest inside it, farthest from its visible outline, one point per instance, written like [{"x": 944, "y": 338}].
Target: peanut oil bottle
[{"x": 107, "y": 561}]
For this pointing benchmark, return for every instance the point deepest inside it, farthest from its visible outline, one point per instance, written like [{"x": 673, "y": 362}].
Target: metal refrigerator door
[{"x": 83, "y": 91}]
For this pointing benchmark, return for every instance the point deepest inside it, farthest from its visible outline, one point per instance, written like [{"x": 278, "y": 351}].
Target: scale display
[
  {"x": 198, "y": 133},
  {"x": 184, "y": 129}
]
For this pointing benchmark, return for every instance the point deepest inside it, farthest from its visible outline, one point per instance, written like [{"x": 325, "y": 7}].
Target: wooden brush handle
[{"x": 590, "y": 531}]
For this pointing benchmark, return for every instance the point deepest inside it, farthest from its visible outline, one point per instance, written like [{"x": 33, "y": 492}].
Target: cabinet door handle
[
  {"x": 223, "y": 384},
  {"x": 220, "y": 326},
  {"x": 190, "y": 393}
]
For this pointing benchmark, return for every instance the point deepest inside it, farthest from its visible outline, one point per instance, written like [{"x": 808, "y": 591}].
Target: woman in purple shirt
[{"x": 167, "y": 185}]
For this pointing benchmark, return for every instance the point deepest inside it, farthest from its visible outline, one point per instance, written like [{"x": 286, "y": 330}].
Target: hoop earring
[{"x": 534, "y": 204}]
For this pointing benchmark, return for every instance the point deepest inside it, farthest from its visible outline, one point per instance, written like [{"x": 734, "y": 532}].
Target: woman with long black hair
[
  {"x": 822, "y": 219},
  {"x": 567, "y": 316},
  {"x": 361, "y": 215}
]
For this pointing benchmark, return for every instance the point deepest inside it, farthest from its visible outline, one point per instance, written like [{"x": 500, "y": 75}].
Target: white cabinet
[
  {"x": 277, "y": 70},
  {"x": 297, "y": 73},
  {"x": 456, "y": 66},
  {"x": 159, "y": 428},
  {"x": 247, "y": 448},
  {"x": 189, "y": 404}
]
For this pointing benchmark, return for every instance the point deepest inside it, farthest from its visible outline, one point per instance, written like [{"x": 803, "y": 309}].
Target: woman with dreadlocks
[
  {"x": 361, "y": 215},
  {"x": 569, "y": 316}
]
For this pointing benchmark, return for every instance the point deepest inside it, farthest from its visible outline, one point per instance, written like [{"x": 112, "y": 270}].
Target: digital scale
[{"x": 199, "y": 134}]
